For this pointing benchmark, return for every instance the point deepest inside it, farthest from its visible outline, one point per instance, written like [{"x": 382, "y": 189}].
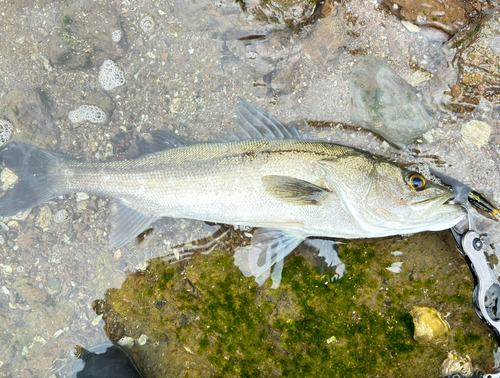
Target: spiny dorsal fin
[
  {"x": 294, "y": 191},
  {"x": 254, "y": 123}
]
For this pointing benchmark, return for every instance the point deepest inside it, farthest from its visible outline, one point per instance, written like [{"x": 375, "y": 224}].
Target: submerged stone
[
  {"x": 430, "y": 327},
  {"x": 446, "y": 15},
  {"x": 479, "y": 58},
  {"x": 29, "y": 111},
  {"x": 85, "y": 36},
  {"x": 280, "y": 12},
  {"x": 381, "y": 101}
]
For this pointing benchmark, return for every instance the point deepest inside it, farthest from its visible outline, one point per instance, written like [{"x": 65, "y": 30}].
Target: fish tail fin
[{"x": 35, "y": 183}]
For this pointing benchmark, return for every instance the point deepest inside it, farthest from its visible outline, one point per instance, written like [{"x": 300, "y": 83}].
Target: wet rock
[
  {"x": 29, "y": 111},
  {"x": 430, "y": 327},
  {"x": 476, "y": 133},
  {"x": 454, "y": 363},
  {"x": 281, "y": 80},
  {"x": 271, "y": 60},
  {"x": 327, "y": 37},
  {"x": 283, "y": 12},
  {"x": 384, "y": 103},
  {"x": 479, "y": 64},
  {"x": 54, "y": 286},
  {"x": 447, "y": 15},
  {"x": 86, "y": 35}
]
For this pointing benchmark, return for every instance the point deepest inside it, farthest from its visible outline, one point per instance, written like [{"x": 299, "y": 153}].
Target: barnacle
[{"x": 5, "y": 131}]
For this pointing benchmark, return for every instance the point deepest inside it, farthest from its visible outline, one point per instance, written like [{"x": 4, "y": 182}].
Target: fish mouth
[
  {"x": 441, "y": 208},
  {"x": 449, "y": 211},
  {"x": 434, "y": 203}
]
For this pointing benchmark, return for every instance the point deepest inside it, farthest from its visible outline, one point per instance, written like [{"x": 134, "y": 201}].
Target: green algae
[
  {"x": 205, "y": 315},
  {"x": 65, "y": 30}
]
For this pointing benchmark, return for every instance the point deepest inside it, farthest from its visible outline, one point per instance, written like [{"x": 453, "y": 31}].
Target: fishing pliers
[{"x": 486, "y": 294}]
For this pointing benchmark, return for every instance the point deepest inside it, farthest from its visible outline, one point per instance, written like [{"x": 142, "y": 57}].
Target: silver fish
[{"x": 268, "y": 177}]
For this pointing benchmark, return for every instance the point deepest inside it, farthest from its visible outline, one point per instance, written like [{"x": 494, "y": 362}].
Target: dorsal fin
[
  {"x": 251, "y": 123},
  {"x": 160, "y": 140},
  {"x": 254, "y": 123}
]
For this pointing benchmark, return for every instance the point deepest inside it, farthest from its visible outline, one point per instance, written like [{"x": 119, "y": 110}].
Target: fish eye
[{"x": 416, "y": 181}]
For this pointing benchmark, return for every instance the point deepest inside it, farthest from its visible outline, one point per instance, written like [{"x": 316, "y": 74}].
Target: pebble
[
  {"x": 59, "y": 332},
  {"x": 22, "y": 216},
  {"x": 142, "y": 339},
  {"x": 44, "y": 218},
  {"x": 80, "y": 196},
  {"x": 476, "y": 133},
  {"x": 410, "y": 26},
  {"x": 97, "y": 320},
  {"x": 430, "y": 327},
  {"x": 7, "y": 269},
  {"x": 143, "y": 265},
  {"x": 8, "y": 178},
  {"x": 126, "y": 341},
  {"x": 40, "y": 339}
]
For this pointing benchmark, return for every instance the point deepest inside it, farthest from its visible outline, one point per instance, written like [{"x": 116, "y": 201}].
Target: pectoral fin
[
  {"x": 294, "y": 191},
  {"x": 127, "y": 222},
  {"x": 324, "y": 248},
  {"x": 268, "y": 247}
]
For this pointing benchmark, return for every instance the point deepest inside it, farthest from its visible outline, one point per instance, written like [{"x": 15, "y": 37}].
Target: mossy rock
[{"x": 209, "y": 320}]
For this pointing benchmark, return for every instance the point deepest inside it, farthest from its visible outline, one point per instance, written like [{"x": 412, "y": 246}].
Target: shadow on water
[{"x": 181, "y": 66}]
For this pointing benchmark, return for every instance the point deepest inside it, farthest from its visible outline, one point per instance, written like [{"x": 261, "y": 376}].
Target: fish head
[{"x": 387, "y": 199}]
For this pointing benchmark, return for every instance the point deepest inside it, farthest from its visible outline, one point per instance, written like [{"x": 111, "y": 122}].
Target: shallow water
[{"x": 185, "y": 68}]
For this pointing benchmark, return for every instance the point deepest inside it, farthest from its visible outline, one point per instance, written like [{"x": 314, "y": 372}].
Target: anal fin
[{"x": 127, "y": 222}]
